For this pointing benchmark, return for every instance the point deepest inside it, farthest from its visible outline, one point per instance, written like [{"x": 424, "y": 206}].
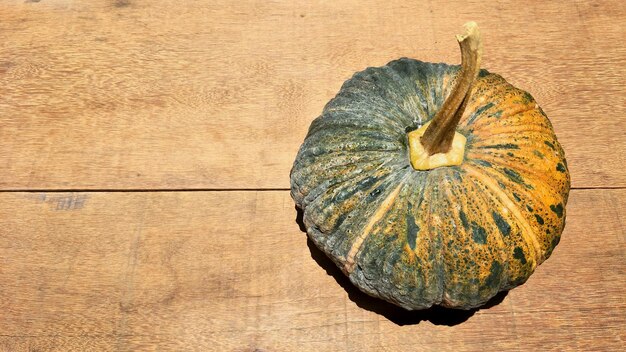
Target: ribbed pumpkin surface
[{"x": 453, "y": 235}]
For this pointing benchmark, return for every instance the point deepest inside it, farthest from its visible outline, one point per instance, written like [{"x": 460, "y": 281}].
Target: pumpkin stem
[{"x": 438, "y": 136}]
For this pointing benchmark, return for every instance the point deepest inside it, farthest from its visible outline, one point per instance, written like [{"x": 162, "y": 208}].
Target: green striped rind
[{"x": 454, "y": 235}]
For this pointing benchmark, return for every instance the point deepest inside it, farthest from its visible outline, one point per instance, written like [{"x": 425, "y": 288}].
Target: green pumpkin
[{"x": 440, "y": 232}]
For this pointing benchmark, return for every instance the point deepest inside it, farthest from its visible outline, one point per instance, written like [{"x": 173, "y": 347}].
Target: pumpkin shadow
[{"x": 437, "y": 315}]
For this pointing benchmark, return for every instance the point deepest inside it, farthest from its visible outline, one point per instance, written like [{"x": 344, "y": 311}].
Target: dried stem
[{"x": 438, "y": 136}]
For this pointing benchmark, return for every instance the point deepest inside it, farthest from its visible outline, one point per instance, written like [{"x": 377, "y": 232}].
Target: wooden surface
[
  {"x": 219, "y": 94},
  {"x": 215, "y": 271},
  {"x": 121, "y": 102}
]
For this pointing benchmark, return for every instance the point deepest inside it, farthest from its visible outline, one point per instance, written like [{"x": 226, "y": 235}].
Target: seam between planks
[{"x": 138, "y": 190}]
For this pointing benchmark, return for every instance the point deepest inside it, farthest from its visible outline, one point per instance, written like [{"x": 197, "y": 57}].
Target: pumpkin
[{"x": 433, "y": 184}]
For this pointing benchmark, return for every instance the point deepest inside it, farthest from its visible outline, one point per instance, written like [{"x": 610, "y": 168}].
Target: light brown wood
[
  {"x": 231, "y": 271},
  {"x": 219, "y": 94},
  {"x": 132, "y": 94}
]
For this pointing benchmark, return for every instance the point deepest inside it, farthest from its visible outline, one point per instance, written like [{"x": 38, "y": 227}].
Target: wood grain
[
  {"x": 135, "y": 94},
  {"x": 231, "y": 271},
  {"x": 219, "y": 94}
]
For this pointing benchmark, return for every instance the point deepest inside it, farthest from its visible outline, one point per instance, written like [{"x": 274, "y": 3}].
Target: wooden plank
[
  {"x": 231, "y": 271},
  {"x": 219, "y": 94}
]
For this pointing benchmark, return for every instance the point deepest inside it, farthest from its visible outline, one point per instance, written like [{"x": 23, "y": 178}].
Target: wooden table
[{"x": 145, "y": 149}]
